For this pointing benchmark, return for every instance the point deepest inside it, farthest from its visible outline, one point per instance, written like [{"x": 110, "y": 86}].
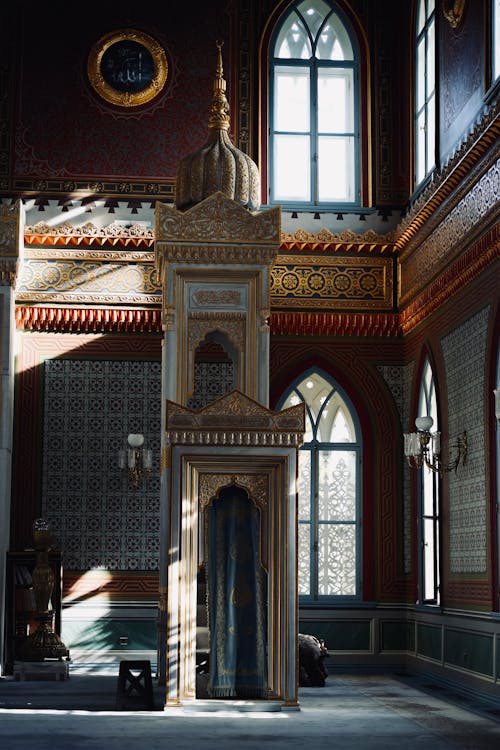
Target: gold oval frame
[{"x": 125, "y": 98}]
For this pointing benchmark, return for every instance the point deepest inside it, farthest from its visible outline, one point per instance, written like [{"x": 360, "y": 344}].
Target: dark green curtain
[{"x": 237, "y": 598}]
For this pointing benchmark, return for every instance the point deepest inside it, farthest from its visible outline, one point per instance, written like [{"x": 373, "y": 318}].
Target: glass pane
[
  {"x": 429, "y": 560},
  {"x": 343, "y": 427},
  {"x": 333, "y": 43},
  {"x": 304, "y": 562},
  {"x": 314, "y": 11},
  {"x": 336, "y": 168},
  {"x": 431, "y": 132},
  {"x": 304, "y": 485},
  {"x": 293, "y": 40},
  {"x": 292, "y": 164},
  {"x": 420, "y": 16},
  {"x": 335, "y": 100},
  {"x": 291, "y": 99},
  {"x": 428, "y": 479},
  {"x": 430, "y": 60},
  {"x": 421, "y": 147},
  {"x": 337, "y": 560},
  {"x": 420, "y": 75},
  {"x": 337, "y": 486}
]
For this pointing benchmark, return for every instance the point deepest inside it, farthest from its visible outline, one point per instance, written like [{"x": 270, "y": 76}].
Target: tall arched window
[
  {"x": 425, "y": 90},
  {"x": 329, "y": 548},
  {"x": 429, "y": 511},
  {"x": 314, "y": 123}
]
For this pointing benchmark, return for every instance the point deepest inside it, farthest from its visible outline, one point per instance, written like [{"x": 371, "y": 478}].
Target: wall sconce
[
  {"x": 496, "y": 393},
  {"x": 424, "y": 448},
  {"x": 136, "y": 459}
]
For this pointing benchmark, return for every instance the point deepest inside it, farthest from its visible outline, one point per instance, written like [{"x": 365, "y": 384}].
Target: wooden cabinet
[{"x": 20, "y": 608}]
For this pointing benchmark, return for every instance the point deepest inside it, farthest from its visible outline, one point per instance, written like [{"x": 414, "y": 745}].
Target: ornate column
[{"x": 11, "y": 248}]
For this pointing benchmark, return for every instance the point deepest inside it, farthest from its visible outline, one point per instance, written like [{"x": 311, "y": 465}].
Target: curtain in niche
[{"x": 237, "y": 599}]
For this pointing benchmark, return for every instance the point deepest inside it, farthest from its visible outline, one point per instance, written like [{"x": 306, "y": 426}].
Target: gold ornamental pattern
[
  {"x": 356, "y": 282},
  {"x": 231, "y": 323}
]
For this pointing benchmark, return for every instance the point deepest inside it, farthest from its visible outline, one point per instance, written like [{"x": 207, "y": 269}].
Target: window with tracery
[
  {"x": 314, "y": 105},
  {"x": 429, "y": 511},
  {"x": 425, "y": 90},
  {"x": 329, "y": 492}
]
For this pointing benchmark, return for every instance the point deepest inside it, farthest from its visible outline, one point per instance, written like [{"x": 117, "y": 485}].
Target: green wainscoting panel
[
  {"x": 429, "y": 641},
  {"x": 397, "y": 635},
  {"x": 498, "y": 659},
  {"x": 106, "y": 635},
  {"x": 342, "y": 635},
  {"x": 469, "y": 650}
]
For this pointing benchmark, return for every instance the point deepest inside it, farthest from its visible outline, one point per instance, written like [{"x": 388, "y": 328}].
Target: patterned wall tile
[
  {"x": 90, "y": 407},
  {"x": 464, "y": 351}
]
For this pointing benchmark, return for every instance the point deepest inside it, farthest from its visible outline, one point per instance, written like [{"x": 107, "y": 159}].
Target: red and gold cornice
[
  {"x": 334, "y": 324},
  {"x": 96, "y": 320},
  {"x": 87, "y": 320},
  {"x": 476, "y": 259}
]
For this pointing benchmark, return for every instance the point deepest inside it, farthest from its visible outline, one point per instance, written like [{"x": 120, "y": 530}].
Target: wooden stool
[{"x": 135, "y": 691}]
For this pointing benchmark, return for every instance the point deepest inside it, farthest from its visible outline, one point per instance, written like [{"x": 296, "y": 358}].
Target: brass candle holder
[{"x": 44, "y": 643}]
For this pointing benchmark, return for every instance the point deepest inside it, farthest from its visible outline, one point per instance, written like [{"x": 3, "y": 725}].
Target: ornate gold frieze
[
  {"x": 110, "y": 231},
  {"x": 325, "y": 239},
  {"x": 210, "y": 485},
  {"x": 69, "y": 253},
  {"x": 87, "y": 281},
  {"x": 324, "y": 282},
  {"x": 219, "y": 254}
]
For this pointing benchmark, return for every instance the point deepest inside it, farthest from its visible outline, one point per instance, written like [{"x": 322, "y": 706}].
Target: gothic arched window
[
  {"x": 429, "y": 511},
  {"x": 314, "y": 129},
  {"x": 329, "y": 548}
]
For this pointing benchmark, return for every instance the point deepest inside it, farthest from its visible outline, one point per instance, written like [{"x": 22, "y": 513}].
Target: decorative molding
[
  {"x": 87, "y": 320},
  {"x": 321, "y": 282},
  {"x": 217, "y": 219},
  {"x": 234, "y": 419},
  {"x": 334, "y": 324},
  {"x": 231, "y": 323},
  {"x": 327, "y": 241},
  {"x": 66, "y": 230},
  {"x": 210, "y": 485},
  {"x": 478, "y": 146},
  {"x": 453, "y": 11},
  {"x": 451, "y": 235}
]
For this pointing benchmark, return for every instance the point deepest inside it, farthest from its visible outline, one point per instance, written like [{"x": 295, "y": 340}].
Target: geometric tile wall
[
  {"x": 464, "y": 352},
  {"x": 399, "y": 380},
  {"x": 90, "y": 406}
]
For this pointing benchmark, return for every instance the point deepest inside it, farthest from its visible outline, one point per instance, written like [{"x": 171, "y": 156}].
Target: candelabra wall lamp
[
  {"x": 136, "y": 459},
  {"x": 423, "y": 448}
]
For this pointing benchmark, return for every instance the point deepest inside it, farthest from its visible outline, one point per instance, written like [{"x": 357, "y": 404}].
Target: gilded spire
[
  {"x": 219, "y": 110},
  {"x": 218, "y": 165}
]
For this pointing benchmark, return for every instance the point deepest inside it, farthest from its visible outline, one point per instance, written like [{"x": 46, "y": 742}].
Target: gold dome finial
[
  {"x": 218, "y": 165},
  {"x": 219, "y": 110}
]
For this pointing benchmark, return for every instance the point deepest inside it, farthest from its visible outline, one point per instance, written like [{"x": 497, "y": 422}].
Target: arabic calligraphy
[{"x": 127, "y": 66}]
